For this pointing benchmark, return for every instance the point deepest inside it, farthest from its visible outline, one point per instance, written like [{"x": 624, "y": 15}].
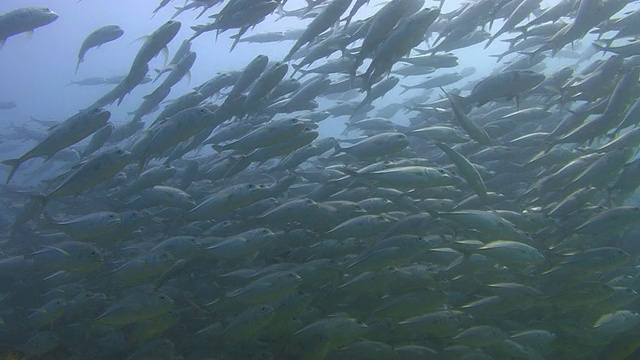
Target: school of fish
[{"x": 488, "y": 219}]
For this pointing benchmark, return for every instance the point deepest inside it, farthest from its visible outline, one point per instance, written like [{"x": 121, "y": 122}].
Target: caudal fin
[
  {"x": 296, "y": 68},
  {"x": 218, "y": 148},
  {"x": 462, "y": 103},
  {"x": 603, "y": 44},
  {"x": 80, "y": 60},
  {"x": 405, "y": 88},
  {"x": 14, "y": 163}
]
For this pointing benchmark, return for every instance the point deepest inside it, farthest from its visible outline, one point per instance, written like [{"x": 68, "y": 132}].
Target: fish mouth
[{"x": 52, "y": 16}]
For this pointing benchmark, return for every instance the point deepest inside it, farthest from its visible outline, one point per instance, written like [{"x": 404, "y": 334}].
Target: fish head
[
  {"x": 110, "y": 219},
  {"x": 43, "y": 16},
  {"x": 98, "y": 114},
  {"x": 528, "y": 79},
  {"x": 121, "y": 155},
  {"x": 168, "y": 30}
]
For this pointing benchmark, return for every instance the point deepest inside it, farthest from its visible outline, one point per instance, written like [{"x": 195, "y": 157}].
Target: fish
[
  {"x": 24, "y": 20},
  {"x": 67, "y": 133},
  {"x": 97, "y": 38},
  {"x": 6, "y": 105},
  {"x": 322, "y": 22}
]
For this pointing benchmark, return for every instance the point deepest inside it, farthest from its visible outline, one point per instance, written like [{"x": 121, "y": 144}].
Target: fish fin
[
  {"x": 349, "y": 171},
  {"x": 523, "y": 29},
  {"x": 47, "y": 158},
  {"x": 238, "y": 37},
  {"x": 296, "y": 68},
  {"x": 218, "y": 148},
  {"x": 198, "y": 30},
  {"x": 78, "y": 64},
  {"x": 48, "y": 218},
  {"x": 143, "y": 38},
  {"x": 601, "y": 47},
  {"x": 188, "y": 76},
  {"x": 165, "y": 54},
  {"x": 337, "y": 149},
  {"x": 491, "y": 39},
  {"x": 14, "y": 163},
  {"x": 29, "y": 34},
  {"x": 405, "y": 88},
  {"x": 65, "y": 253},
  {"x": 2, "y": 41},
  {"x": 120, "y": 99},
  {"x": 463, "y": 102},
  {"x": 511, "y": 41}
]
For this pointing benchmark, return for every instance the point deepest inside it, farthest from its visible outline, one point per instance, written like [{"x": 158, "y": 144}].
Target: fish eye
[
  {"x": 93, "y": 253},
  {"x": 250, "y": 186},
  {"x": 202, "y": 111}
]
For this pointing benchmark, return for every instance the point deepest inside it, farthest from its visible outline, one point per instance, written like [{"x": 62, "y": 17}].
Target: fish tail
[
  {"x": 601, "y": 47},
  {"x": 491, "y": 39},
  {"x": 47, "y": 217},
  {"x": 498, "y": 57},
  {"x": 549, "y": 144},
  {"x": 296, "y": 68},
  {"x": 337, "y": 148},
  {"x": 80, "y": 61},
  {"x": 523, "y": 29},
  {"x": 218, "y": 148},
  {"x": 292, "y": 52},
  {"x": 14, "y": 163},
  {"x": 41, "y": 199},
  {"x": 464, "y": 102},
  {"x": 235, "y": 42},
  {"x": 199, "y": 29},
  {"x": 349, "y": 171},
  {"x": 405, "y": 88}
]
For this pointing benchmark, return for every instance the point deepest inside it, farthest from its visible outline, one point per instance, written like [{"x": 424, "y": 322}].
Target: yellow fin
[
  {"x": 143, "y": 38},
  {"x": 58, "y": 249},
  {"x": 165, "y": 54}
]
